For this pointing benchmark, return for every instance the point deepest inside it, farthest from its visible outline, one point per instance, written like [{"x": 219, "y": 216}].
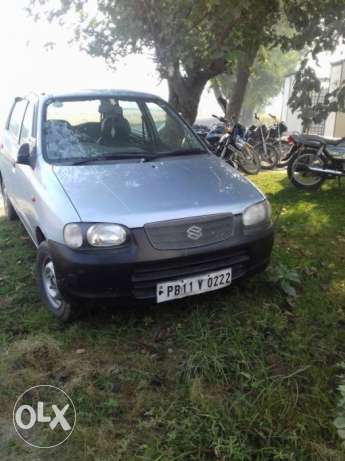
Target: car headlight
[
  {"x": 106, "y": 235},
  {"x": 73, "y": 235},
  {"x": 257, "y": 214}
]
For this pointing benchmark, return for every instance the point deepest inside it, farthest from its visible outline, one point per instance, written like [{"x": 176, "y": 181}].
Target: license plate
[{"x": 193, "y": 285}]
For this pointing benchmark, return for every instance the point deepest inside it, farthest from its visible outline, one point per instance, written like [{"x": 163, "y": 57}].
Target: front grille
[
  {"x": 146, "y": 275},
  {"x": 186, "y": 233}
]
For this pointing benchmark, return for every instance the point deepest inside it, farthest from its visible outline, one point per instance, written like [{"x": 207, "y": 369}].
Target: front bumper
[{"x": 135, "y": 269}]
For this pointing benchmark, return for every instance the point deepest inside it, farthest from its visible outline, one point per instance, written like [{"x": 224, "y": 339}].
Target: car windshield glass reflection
[{"x": 79, "y": 131}]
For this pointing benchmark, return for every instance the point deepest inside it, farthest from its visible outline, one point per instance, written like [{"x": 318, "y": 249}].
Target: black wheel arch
[{"x": 40, "y": 237}]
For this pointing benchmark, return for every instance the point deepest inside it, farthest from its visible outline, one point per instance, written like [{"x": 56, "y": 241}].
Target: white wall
[
  {"x": 291, "y": 119},
  {"x": 335, "y": 80}
]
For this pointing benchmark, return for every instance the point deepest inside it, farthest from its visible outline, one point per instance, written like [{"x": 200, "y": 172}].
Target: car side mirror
[{"x": 24, "y": 154}]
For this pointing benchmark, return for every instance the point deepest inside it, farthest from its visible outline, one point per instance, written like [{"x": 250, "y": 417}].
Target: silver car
[{"x": 122, "y": 199}]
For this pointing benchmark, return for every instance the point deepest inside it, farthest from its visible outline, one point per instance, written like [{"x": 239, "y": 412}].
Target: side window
[
  {"x": 132, "y": 113},
  {"x": 171, "y": 132},
  {"x": 27, "y": 123},
  {"x": 159, "y": 116},
  {"x": 17, "y": 117}
]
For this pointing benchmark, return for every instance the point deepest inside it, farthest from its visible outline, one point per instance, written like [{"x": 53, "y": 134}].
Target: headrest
[
  {"x": 115, "y": 127},
  {"x": 108, "y": 109}
]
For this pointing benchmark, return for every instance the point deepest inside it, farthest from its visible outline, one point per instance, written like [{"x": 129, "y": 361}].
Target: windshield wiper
[
  {"x": 138, "y": 156},
  {"x": 101, "y": 158}
]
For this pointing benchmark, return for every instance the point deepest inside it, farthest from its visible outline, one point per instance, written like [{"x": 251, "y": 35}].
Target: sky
[{"x": 27, "y": 66}]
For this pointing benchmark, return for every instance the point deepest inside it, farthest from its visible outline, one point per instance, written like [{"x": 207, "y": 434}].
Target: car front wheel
[{"x": 61, "y": 308}]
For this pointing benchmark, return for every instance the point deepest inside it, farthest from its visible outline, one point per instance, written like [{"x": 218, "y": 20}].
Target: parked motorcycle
[
  {"x": 235, "y": 150},
  {"x": 214, "y": 135},
  {"x": 201, "y": 130},
  {"x": 313, "y": 159},
  {"x": 266, "y": 151},
  {"x": 275, "y": 137}
]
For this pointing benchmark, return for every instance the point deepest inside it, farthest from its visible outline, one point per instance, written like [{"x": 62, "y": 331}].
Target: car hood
[{"x": 134, "y": 193}]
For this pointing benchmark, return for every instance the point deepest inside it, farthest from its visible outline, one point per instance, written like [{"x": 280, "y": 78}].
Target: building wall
[
  {"x": 339, "y": 128},
  {"x": 291, "y": 119},
  {"x": 334, "y": 126},
  {"x": 334, "y": 81}
]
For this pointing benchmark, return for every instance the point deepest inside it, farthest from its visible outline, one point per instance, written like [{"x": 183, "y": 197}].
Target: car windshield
[{"x": 107, "y": 128}]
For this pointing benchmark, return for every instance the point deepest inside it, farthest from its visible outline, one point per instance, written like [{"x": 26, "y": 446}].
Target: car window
[
  {"x": 132, "y": 113},
  {"x": 107, "y": 126},
  {"x": 17, "y": 117},
  {"x": 27, "y": 123},
  {"x": 158, "y": 114},
  {"x": 172, "y": 133}
]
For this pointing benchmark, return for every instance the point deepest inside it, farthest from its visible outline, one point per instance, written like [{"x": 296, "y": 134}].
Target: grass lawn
[{"x": 249, "y": 373}]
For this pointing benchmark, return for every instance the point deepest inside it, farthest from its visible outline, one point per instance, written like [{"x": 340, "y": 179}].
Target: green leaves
[
  {"x": 339, "y": 422},
  {"x": 319, "y": 26},
  {"x": 194, "y": 36},
  {"x": 285, "y": 279},
  {"x": 288, "y": 289}
]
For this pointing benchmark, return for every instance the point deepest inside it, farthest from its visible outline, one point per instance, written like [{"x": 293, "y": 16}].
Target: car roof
[{"x": 115, "y": 93}]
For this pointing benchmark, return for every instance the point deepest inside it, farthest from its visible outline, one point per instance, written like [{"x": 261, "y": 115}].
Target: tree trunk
[
  {"x": 247, "y": 114},
  {"x": 221, "y": 99},
  {"x": 244, "y": 64},
  {"x": 185, "y": 90},
  {"x": 185, "y": 94}
]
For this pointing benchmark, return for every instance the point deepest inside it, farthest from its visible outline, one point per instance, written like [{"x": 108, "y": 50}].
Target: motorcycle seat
[{"x": 314, "y": 138}]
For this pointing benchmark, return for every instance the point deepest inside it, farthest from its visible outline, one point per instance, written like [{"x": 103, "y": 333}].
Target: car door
[
  {"x": 10, "y": 146},
  {"x": 24, "y": 176}
]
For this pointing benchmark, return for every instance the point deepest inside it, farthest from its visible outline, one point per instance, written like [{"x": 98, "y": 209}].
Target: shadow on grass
[{"x": 328, "y": 196}]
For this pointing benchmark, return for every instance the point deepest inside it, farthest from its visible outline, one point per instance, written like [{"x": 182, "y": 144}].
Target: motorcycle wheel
[
  {"x": 270, "y": 159},
  {"x": 299, "y": 176},
  {"x": 285, "y": 149},
  {"x": 248, "y": 160}
]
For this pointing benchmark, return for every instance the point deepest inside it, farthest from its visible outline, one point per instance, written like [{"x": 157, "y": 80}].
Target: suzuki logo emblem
[{"x": 194, "y": 232}]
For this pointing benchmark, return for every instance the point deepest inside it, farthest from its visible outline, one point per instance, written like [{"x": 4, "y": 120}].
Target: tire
[
  {"x": 284, "y": 152},
  {"x": 271, "y": 159},
  {"x": 59, "y": 307},
  {"x": 10, "y": 212},
  {"x": 305, "y": 180},
  {"x": 249, "y": 161},
  {"x": 283, "y": 163}
]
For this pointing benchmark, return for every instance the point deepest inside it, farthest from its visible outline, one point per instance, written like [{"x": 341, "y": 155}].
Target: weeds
[{"x": 286, "y": 279}]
